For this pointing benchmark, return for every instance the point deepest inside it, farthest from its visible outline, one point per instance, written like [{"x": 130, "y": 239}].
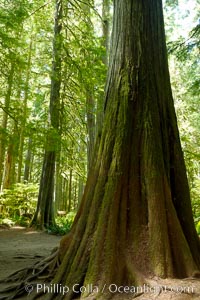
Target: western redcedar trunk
[
  {"x": 44, "y": 216},
  {"x": 135, "y": 219}
]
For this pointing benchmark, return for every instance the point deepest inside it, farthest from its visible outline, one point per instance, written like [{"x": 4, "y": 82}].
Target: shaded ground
[{"x": 20, "y": 247}]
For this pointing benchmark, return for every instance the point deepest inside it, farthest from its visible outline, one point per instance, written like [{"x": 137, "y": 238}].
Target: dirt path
[{"x": 21, "y": 247}]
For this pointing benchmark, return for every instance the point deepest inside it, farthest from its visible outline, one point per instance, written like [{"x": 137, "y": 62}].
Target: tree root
[
  {"x": 41, "y": 270},
  {"x": 23, "y": 282}
]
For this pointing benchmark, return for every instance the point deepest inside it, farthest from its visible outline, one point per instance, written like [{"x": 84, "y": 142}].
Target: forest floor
[{"x": 21, "y": 247}]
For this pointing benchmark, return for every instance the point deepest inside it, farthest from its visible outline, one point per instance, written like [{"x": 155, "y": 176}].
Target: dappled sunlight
[
  {"x": 32, "y": 232},
  {"x": 18, "y": 228}
]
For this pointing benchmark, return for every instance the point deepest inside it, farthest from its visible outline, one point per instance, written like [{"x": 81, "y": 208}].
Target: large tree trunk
[
  {"x": 44, "y": 213},
  {"x": 135, "y": 218}
]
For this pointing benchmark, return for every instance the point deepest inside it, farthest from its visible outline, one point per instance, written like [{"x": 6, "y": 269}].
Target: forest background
[{"x": 53, "y": 67}]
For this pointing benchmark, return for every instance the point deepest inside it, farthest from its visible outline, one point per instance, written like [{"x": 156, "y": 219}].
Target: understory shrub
[
  {"x": 63, "y": 224},
  {"x": 17, "y": 205}
]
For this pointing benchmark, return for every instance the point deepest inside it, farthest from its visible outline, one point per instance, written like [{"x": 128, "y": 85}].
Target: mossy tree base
[{"x": 44, "y": 215}]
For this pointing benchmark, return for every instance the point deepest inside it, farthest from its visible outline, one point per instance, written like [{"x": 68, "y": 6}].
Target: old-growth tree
[
  {"x": 135, "y": 218},
  {"x": 44, "y": 215}
]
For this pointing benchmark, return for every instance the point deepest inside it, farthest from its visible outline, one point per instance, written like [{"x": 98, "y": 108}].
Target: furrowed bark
[{"x": 134, "y": 221}]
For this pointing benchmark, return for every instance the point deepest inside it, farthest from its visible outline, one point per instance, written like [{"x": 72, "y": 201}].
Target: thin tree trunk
[
  {"x": 24, "y": 117},
  {"x": 4, "y": 122},
  {"x": 75, "y": 200},
  {"x": 70, "y": 190},
  {"x": 8, "y": 167},
  {"x": 28, "y": 160},
  {"x": 66, "y": 192},
  {"x": 9, "y": 177},
  {"x": 58, "y": 183}
]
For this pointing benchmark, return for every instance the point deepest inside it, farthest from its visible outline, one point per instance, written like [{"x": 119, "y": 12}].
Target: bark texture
[
  {"x": 44, "y": 216},
  {"x": 135, "y": 219},
  {"x": 4, "y": 123}
]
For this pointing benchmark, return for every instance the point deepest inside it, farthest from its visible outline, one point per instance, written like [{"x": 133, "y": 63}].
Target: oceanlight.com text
[{"x": 112, "y": 288}]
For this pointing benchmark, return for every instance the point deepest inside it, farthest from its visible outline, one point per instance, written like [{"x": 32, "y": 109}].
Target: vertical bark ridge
[{"x": 135, "y": 218}]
